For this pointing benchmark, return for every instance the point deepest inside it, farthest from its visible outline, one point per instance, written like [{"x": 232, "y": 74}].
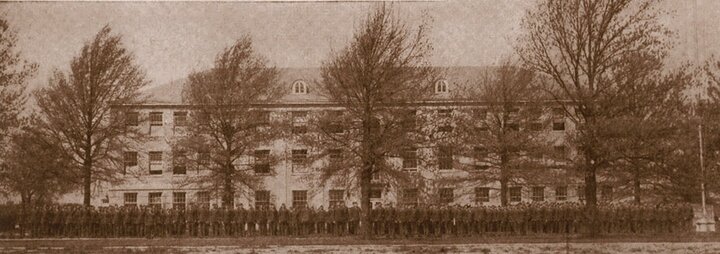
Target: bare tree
[
  {"x": 229, "y": 121},
  {"x": 507, "y": 137},
  {"x": 375, "y": 81},
  {"x": 78, "y": 109},
  {"x": 32, "y": 168},
  {"x": 14, "y": 71},
  {"x": 578, "y": 45}
]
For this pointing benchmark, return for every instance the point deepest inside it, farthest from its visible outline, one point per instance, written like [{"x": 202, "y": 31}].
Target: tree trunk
[
  {"x": 365, "y": 205},
  {"x": 228, "y": 192},
  {"x": 87, "y": 177},
  {"x": 591, "y": 209},
  {"x": 636, "y": 186},
  {"x": 504, "y": 179}
]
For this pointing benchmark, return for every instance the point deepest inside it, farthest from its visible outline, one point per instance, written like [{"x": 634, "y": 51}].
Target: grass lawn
[{"x": 690, "y": 243}]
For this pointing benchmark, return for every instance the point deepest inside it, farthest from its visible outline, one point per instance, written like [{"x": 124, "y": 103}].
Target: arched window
[
  {"x": 299, "y": 87},
  {"x": 441, "y": 86}
]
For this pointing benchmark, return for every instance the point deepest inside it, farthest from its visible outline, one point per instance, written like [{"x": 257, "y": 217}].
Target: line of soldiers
[{"x": 386, "y": 221}]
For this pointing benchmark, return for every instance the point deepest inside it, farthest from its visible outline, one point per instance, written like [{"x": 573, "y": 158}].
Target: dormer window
[
  {"x": 299, "y": 87},
  {"x": 441, "y": 86}
]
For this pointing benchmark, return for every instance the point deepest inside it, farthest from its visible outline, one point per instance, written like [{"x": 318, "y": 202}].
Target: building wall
[{"x": 281, "y": 185}]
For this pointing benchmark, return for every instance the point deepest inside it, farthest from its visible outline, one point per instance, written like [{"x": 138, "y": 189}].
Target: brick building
[{"x": 151, "y": 177}]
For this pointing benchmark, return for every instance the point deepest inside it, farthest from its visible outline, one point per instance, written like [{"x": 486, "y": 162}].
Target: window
[
  {"x": 580, "y": 192},
  {"x": 132, "y": 119},
  {"x": 299, "y": 198},
  {"x": 299, "y": 118},
  {"x": 335, "y": 125},
  {"x": 337, "y": 198},
  {"x": 299, "y": 159},
  {"x": 535, "y": 126},
  {"x": 299, "y": 129},
  {"x": 155, "y": 199},
  {"x": 482, "y": 194},
  {"x": 262, "y": 162},
  {"x": 130, "y": 199},
  {"x": 155, "y": 163},
  {"x": 375, "y": 176},
  {"x": 156, "y": 119},
  {"x": 480, "y": 114},
  {"x": 538, "y": 193},
  {"x": 445, "y": 128},
  {"x": 558, "y": 113},
  {"x": 558, "y": 119},
  {"x": 441, "y": 86},
  {"x": 445, "y": 113},
  {"x": 606, "y": 192},
  {"x": 534, "y": 112},
  {"x": 409, "y": 122},
  {"x": 410, "y": 197},
  {"x": 515, "y": 194},
  {"x": 561, "y": 193},
  {"x": 481, "y": 154},
  {"x": 445, "y": 158},
  {"x": 179, "y": 167},
  {"x": 512, "y": 126},
  {"x": 179, "y": 200},
  {"x": 299, "y": 87},
  {"x": 481, "y": 128},
  {"x": 376, "y": 192},
  {"x": 203, "y": 198},
  {"x": 130, "y": 159},
  {"x": 409, "y": 159},
  {"x": 446, "y": 195},
  {"x": 203, "y": 157},
  {"x": 262, "y": 199},
  {"x": 560, "y": 151},
  {"x": 335, "y": 155},
  {"x": 262, "y": 118},
  {"x": 180, "y": 118}
]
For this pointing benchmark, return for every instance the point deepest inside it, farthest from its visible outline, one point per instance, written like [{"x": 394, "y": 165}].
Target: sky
[{"x": 172, "y": 39}]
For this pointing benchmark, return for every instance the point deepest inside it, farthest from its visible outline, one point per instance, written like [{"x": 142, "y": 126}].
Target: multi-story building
[{"x": 152, "y": 178}]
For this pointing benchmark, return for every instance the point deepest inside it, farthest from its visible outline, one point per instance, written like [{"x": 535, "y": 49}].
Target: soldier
[
  {"x": 272, "y": 217},
  {"x": 294, "y": 221},
  {"x": 166, "y": 222},
  {"x": 390, "y": 217},
  {"x": 435, "y": 220},
  {"x": 478, "y": 220},
  {"x": 341, "y": 217},
  {"x": 213, "y": 221},
  {"x": 251, "y": 220},
  {"x": 228, "y": 220},
  {"x": 447, "y": 217},
  {"x": 354, "y": 218},
  {"x": 314, "y": 219},
  {"x": 132, "y": 220},
  {"x": 375, "y": 218},
  {"x": 283, "y": 218},
  {"x": 465, "y": 221},
  {"x": 402, "y": 220},
  {"x": 204, "y": 221},
  {"x": 44, "y": 223},
  {"x": 240, "y": 220},
  {"x": 321, "y": 220},
  {"x": 304, "y": 220},
  {"x": 192, "y": 219}
]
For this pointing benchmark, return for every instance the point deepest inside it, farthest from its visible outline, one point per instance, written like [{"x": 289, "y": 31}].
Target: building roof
[{"x": 459, "y": 79}]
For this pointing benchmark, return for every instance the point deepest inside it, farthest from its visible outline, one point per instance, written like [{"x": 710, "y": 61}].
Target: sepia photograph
[{"x": 325, "y": 126}]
